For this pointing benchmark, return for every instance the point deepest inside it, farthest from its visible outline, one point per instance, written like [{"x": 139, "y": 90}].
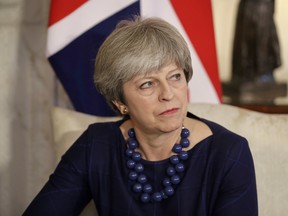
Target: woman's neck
[{"x": 154, "y": 146}]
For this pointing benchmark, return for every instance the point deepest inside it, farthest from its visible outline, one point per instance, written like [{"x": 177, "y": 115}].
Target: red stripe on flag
[
  {"x": 197, "y": 20},
  {"x": 61, "y": 8}
]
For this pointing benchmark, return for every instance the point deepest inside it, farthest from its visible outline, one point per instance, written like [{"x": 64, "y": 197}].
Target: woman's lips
[{"x": 170, "y": 111}]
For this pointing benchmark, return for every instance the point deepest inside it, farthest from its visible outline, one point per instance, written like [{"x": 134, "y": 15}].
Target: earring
[{"x": 124, "y": 111}]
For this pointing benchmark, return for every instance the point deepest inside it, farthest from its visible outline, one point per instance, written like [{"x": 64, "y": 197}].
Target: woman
[{"x": 133, "y": 166}]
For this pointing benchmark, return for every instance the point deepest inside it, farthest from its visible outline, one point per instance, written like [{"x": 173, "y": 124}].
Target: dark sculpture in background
[{"x": 256, "y": 54}]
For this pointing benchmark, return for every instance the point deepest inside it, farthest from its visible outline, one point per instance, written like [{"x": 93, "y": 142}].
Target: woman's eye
[
  {"x": 146, "y": 85},
  {"x": 176, "y": 76}
]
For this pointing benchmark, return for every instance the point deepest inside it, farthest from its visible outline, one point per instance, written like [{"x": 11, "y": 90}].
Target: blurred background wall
[
  {"x": 28, "y": 90},
  {"x": 225, "y": 12}
]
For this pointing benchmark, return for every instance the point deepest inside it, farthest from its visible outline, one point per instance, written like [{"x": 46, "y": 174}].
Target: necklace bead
[
  {"x": 137, "y": 187},
  {"x": 132, "y": 143},
  {"x": 147, "y": 188},
  {"x": 157, "y": 196},
  {"x": 166, "y": 182},
  {"x": 142, "y": 178},
  {"x": 136, "y": 156},
  {"x": 169, "y": 191},
  {"x": 131, "y": 164},
  {"x": 133, "y": 175},
  {"x": 174, "y": 159},
  {"x": 170, "y": 171},
  {"x": 179, "y": 167},
  {"x": 185, "y": 143},
  {"x": 139, "y": 167},
  {"x": 185, "y": 133},
  {"x": 177, "y": 148},
  {"x": 145, "y": 197},
  {"x": 175, "y": 179},
  {"x": 129, "y": 152},
  {"x": 183, "y": 155},
  {"x": 173, "y": 171}
]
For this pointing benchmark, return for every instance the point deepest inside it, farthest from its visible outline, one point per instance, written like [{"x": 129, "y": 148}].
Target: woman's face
[{"x": 157, "y": 102}]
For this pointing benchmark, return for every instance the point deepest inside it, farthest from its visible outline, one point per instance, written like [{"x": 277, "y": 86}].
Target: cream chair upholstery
[{"x": 267, "y": 135}]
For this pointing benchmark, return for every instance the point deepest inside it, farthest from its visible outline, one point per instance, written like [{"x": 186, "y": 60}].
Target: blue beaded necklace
[{"x": 136, "y": 169}]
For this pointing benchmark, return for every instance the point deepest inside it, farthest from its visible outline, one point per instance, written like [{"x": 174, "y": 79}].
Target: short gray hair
[{"x": 136, "y": 47}]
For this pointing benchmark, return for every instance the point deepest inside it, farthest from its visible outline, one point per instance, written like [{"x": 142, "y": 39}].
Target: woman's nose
[{"x": 166, "y": 92}]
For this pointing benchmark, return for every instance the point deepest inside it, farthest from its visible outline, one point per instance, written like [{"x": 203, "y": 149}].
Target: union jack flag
[{"x": 77, "y": 28}]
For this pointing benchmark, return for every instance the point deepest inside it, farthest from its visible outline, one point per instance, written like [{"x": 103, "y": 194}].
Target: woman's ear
[{"x": 123, "y": 109}]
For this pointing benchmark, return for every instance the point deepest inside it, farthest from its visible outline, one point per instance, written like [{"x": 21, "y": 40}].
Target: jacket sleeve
[
  {"x": 238, "y": 194},
  {"x": 67, "y": 190}
]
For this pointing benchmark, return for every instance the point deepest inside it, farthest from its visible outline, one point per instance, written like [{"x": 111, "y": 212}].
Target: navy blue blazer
[{"x": 219, "y": 179}]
